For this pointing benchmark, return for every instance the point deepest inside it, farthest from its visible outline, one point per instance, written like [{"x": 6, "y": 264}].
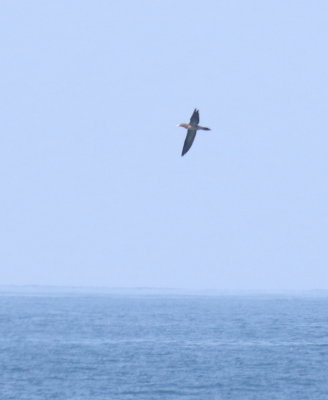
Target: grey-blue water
[{"x": 163, "y": 347}]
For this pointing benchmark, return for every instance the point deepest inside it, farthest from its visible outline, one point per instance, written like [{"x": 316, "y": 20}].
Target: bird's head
[{"x": 183, "y": 125}]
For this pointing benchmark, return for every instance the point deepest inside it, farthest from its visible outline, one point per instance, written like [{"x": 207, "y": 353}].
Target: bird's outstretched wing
[
  {"x": 191, "y": 134},
  {"x": 194, "y": 120}
]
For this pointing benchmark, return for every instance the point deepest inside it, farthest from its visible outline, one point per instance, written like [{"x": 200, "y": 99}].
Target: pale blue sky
[{"x": 93, "y": 188}]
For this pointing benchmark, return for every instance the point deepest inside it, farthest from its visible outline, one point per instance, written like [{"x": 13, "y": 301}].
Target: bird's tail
[{"x": 204, "y": 128}]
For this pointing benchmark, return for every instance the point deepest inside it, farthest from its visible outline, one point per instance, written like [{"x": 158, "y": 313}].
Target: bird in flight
[{"x": 192, "y": 127}]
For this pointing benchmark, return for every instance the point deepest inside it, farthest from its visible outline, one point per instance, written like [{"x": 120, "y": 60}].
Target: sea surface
[{"x": 146, "y": 347}]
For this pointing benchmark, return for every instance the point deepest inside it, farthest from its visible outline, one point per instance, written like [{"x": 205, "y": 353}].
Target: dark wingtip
[{"x": 184, "y": 152}]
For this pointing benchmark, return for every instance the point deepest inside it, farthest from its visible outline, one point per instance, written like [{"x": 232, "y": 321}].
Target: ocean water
[{"x": 149, "y": 347}]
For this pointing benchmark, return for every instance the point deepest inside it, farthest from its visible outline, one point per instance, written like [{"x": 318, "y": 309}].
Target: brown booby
[{"x": 192, "y": 127}]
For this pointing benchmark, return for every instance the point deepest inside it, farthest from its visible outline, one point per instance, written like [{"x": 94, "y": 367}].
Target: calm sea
[{"x": 148, "y": 347}]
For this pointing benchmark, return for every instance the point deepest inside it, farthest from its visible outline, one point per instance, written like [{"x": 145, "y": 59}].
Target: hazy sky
[{"x": 93, "y": 188}]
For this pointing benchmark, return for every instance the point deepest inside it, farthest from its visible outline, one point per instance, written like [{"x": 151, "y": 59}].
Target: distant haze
[{"x": 94, "y": 191}]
